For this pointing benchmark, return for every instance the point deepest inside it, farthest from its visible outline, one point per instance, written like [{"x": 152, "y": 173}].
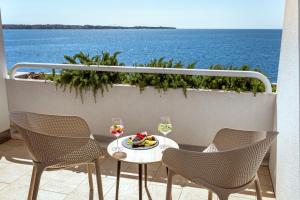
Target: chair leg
[
  {"x": 169, "y": 185},
  {"x": 32, "y": 182},
  {"x": 90, "y": 175},
  {"x": 258, "y": 189},
  {"x": 209, "y": 195},
  {"x": 99, "y": 181},
  {"x": 36, "y": 182},
  {"x": 223, "y": 196}
]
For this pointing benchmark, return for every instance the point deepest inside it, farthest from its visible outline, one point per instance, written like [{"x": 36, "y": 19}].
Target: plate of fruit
[{"x": 141, "y": 141}]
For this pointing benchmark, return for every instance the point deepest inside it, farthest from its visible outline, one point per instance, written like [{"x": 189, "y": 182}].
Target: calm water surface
[{"x": 257, "y": 48}]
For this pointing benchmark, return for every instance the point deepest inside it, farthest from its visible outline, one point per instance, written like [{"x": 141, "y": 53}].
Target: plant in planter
[
  {"x": 83, "y": 81},
  {"x": 161, "y": 81}
]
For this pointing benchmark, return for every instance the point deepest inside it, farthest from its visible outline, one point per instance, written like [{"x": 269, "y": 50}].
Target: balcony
[{"x": 215, "y": 110}]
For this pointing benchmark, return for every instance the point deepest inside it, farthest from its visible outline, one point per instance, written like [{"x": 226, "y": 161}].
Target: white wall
[
  {"x": 4, "y": 123},
  {"x": 273, "y": 156},
  {"x": 288, "y": 172},
  {"x": 196, "y": 119}
]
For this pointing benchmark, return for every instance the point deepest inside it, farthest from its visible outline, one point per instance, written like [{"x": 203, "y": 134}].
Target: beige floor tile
[
  {"x": 268, "y": 198},
  {"x": 14, "y": 191},
  {"x": 109, "y": 167},
  {"x": 158, "y": 192},
  {"x": 4, "y": 164},
  {"x": 14, "y": 147},
  {"x": 265, "y": 180},
  {"x": 128, "y": 190},
  {"x": 161, "y": 175},
  {"x": 3, "y": 185},
  {"x": 264, "y": 171},
  {"x": 24, "y": 180},
  {"x": 14, "y": 151},
  {"x": 132, "y": 169},
  {"x": 11, "y": 143},
  {"x": 82, "y": 192},
  {"x": 191, "y": 193},
  {"x": 249, "y": 194},
  {"x": 267, "y": 191},
  {"x": 241, "y": 197},
  {"x": 47, "y": 195},
  {"x": 62, "y": 181},
  {"x": 55, "y": 186},
  {"x": 9, "y": 172}
]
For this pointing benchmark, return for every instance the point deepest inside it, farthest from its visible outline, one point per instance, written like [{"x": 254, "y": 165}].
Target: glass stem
[{"x": 118, "y": 143}]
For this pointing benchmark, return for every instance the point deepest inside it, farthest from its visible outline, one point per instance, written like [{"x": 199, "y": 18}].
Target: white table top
[{"x": 141, "y": 156}]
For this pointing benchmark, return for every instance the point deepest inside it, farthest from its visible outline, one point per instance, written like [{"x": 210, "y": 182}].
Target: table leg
[
  {"x": 140, "y": 181},
  {"x": 167, "y": 169},
  {"x": 146, "y": 175},
  {"x": 118, "y": 179}
]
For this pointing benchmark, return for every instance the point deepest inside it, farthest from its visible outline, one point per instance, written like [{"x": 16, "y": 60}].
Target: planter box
[{"x": 195, "y": 119}]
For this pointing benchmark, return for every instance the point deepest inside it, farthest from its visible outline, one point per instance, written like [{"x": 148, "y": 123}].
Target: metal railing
[{"x": 152, "y": 70}]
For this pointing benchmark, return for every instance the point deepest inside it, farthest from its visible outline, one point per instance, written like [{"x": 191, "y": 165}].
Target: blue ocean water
[{"x": 256, "y": 48}]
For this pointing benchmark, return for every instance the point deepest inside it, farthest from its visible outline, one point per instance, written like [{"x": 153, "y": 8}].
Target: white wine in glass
[{"x": 164, "y": 127}]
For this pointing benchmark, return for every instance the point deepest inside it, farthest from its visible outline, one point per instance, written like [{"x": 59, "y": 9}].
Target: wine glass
[
  {"x": 164, "y": 127},
  {"x": 117, "y": 129}
]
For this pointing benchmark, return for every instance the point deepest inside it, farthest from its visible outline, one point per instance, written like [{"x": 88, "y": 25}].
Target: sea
[{"x": 256, "y": 48}]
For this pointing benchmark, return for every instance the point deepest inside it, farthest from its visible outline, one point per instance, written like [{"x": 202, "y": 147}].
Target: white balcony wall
[
  {"x": 196, "y": 118},
  {"x": 4, "y": 122},
  {"x": 288, "y": 177}
]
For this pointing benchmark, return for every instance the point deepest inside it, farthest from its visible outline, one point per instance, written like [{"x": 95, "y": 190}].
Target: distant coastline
[{"x": 62, "y": 26}]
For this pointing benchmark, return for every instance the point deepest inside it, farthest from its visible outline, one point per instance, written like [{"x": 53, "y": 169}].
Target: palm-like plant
[{"x": 83, "y": 81}]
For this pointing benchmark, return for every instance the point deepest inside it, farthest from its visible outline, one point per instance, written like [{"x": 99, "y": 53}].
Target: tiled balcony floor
[{"x": 72, "y": 184}]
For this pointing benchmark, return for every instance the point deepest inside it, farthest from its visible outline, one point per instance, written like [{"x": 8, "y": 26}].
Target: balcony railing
[{"x": 149, "y": 70}]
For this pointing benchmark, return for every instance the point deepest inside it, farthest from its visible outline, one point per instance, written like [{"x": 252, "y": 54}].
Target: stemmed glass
[
  {"x": 117, "y": 129},
  {"x": 164, "y": 127}
]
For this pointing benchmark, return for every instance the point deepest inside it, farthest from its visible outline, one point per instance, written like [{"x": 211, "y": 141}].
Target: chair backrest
[
  {"x": 35, "y": 127},
  {"x": 72, "y": 126},
  {"x": 227, "y": 139},
  {"x": 239, "y": 155}
]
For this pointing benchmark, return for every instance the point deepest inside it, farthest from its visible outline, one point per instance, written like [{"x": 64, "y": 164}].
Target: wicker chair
[
  {"x": 58, "y": 142},
  {"x": 229, "y": 165}
]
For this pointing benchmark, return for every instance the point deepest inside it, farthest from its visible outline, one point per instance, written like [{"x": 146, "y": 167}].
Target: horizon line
[{"x": 146, "y": 26}]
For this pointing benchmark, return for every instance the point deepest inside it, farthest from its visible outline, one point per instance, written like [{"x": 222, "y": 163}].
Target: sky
[{"x": 265, "y": 14}]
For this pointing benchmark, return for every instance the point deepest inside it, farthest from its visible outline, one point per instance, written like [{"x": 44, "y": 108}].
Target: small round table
[{"x": 140, "y": 157}]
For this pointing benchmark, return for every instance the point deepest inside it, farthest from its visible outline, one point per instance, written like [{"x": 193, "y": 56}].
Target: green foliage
[
  {"x": 274, "y": 87},
  {"x": 83, "y": 81},
  {"x": 233, "y": 83},
  {"x": 161, "y": 81}
]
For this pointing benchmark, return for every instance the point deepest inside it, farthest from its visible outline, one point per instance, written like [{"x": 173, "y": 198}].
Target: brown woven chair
[
  {"x": 58, "y": 142},
  {"x": 229, "y": 165}
]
